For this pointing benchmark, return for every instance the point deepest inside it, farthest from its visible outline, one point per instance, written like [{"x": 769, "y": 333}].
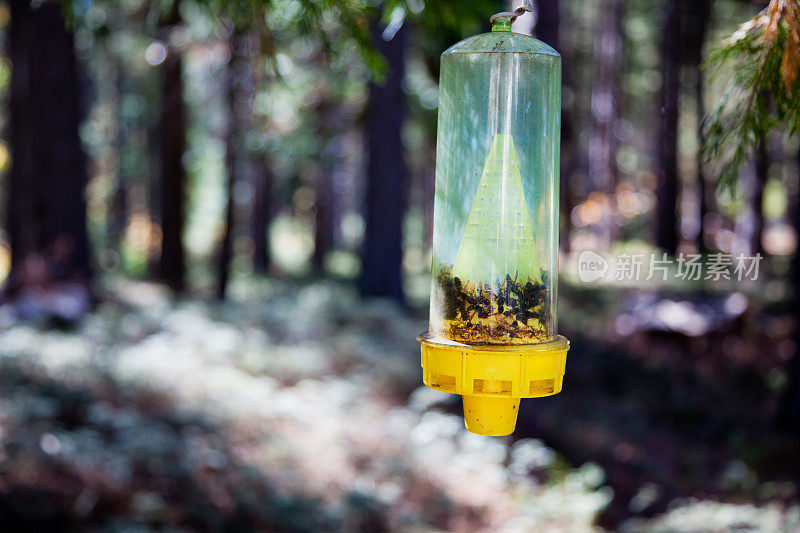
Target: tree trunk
[
  {"x": 706, "y": 198},
  {"x": 261, "y": 215},
  {"x": 46, "y": 206},
  {"x": 547, "y": 30},
  {"x": 667, "y": 139},
  {"x": 789, "y": 408},
  {"x": 547, "y": 22},
  {"x": 235, "y": 77},
  {"x": 118, "y": 217},
  {"x": 386, "y": 175},
  {"x": 259, "y": 171},
  {"x": 323, "y": 221},
  {"x": 757, "y": 207},
  {"x": 606, "y": 102},
  {"x": 696, "y": 29},
  {"x": 324, "y": 212},
  {"x": 172, "y": 264}
]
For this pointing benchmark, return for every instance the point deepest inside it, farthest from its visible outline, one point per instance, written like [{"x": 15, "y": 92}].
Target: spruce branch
[{"x": 762, "y": 95}]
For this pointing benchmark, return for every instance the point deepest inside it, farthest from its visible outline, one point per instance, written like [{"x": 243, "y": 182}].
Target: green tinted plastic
[{"x": 495, "y": 237}]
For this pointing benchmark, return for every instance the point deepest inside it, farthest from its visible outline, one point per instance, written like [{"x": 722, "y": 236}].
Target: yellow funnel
[
  {"x": 492, "y": 379},
  {"x": 493, "y": 417}
]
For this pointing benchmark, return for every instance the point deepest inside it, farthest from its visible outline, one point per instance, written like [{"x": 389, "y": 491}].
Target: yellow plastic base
[{"x": 492, "y": 379}]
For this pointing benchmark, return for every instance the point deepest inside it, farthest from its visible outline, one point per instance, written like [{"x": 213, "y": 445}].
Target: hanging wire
[{"x": 527, "y": 6}]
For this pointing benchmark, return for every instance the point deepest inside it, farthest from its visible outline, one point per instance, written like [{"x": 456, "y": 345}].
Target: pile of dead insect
[{"x": 509, "y": 311}]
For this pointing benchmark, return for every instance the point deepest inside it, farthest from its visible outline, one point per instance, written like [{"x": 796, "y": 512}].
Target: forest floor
[{"x": 298, "y": 407}]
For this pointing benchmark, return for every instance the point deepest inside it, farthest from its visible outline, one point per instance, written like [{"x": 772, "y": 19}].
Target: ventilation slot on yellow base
[
  {"x": 443, "y": 382},
  {"x": 542, "y": 386},
  {"x": 492, "y": 386}
]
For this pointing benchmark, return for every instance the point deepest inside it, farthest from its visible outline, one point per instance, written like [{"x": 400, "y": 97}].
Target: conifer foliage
[{"x": 763, "y": 93}]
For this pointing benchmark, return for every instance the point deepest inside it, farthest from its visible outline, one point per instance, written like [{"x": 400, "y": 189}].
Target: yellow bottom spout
[{"x": 493, "y": 417}]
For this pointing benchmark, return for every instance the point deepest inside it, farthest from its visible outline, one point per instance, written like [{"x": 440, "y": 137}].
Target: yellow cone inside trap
[
  {"x": 498, "y": 238},
  {"x": 493, "y": 417}
]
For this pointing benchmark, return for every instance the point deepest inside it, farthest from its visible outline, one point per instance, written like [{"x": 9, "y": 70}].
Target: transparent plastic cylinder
[{"x": 495, "y": 235}]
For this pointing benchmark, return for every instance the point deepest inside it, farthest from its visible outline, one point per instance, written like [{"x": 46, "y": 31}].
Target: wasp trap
[{"x": 493, "y": 331}]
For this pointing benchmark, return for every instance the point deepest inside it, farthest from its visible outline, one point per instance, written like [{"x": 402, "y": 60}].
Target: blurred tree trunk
[
  {"x": 667, "y": 136},
  {"x": 258, "y": 167},
  {"x": 382, "y": 252},
  {"x": 547, "y": 21},
  {"x": 46, "y": 206},
  {"x": 757, "y": 207},
  {"x": 324, "y": 213},
  {"x": 323, "y": 221},
  {"x": 703, "y": 190},
  {"x": 233, "y": 88},
  {"x": 172, "y": 264},
  {"x": 696, "y": 29},
  {"x": 547, "y": 29},
  {"x": 606, "y": 102},
  {"x": 118, "y": 216},
  {"x": 261, "y": 214},
  {"x": 789, "y": 408}
]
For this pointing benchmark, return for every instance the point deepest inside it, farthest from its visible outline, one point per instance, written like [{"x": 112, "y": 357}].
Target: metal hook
[{"x": 527, "y": 5}]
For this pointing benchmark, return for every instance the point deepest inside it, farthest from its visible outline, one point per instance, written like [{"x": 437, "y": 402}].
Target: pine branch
[{"x": 764, "y": 55}]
